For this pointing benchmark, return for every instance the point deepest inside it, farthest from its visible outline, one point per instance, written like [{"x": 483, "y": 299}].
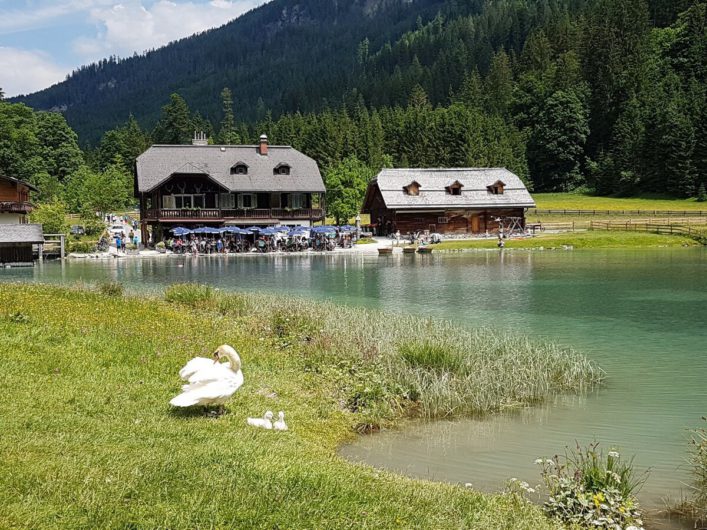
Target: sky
[{"x": 41, "y": 41}]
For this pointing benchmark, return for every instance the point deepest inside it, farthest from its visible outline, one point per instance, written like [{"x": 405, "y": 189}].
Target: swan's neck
[{"x": 235, "y": 361}]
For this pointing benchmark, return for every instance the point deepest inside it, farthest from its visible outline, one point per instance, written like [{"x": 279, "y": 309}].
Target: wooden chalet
[
  {"x": 447, "y": 201},
  {"x": 14, "y": 200},
  {"x": 216, "y": 185}
]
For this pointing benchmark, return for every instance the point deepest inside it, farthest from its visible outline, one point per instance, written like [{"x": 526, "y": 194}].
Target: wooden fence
[{"x": 696, "y": 232}]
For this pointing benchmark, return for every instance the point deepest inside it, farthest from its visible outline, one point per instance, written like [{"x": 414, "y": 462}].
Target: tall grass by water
[{"x": 391, "y": 362}]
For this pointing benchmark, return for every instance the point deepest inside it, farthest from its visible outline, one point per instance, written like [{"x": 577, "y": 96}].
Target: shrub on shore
[
  {"x": 591, "y": 490},
  {"x": 111, "y": 288}
]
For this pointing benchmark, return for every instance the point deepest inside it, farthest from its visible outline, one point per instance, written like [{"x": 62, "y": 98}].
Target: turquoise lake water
[{"x": 640, "y": 314}]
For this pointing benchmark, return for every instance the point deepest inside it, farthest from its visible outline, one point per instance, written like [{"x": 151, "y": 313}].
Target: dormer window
[
  {"x": 281, "y": 169},
  {"x": 239, "y": 169},
  {"x": 496, "y": 188},
  {"x": 455, "y": 188},
  {"x": 412, "y": 189}
]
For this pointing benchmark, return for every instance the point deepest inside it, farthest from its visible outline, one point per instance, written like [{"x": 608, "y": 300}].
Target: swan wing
[
  {"x": 213, "y": 372},
  {"x": 205, "y": 393},
  {"x": 195, "y": 365}
]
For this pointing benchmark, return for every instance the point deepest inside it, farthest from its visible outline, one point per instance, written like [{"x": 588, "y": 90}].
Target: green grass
[
  {"x": 89, "y": 440},
  {"x": 578, "y": 240},
  {"x": 579, "y": 201},
  {"x": 365, "y": 241}
]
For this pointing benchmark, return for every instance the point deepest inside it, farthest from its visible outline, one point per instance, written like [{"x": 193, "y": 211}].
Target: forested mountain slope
[{"x": 284, "y": 56}]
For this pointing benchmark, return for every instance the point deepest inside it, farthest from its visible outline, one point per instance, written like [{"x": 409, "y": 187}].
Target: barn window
[
  {"x": 455, "y": 188},
  {"x": 442, "y": 220},
  {"x": 412, "y": 189},
  {"x": 496, "y": 188},
  {"x": 239, "y": 169}
]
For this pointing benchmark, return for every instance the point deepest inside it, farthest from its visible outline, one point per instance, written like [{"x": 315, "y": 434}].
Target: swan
[
  {"x": 265, "y": 422},
  {"x": 210, "y": 382},
  {"x": 280, "y": 424}
]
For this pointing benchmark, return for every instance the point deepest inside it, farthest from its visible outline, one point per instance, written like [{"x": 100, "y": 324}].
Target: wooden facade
[
  {"x": 15, "y": 202},
  {"x": 207, "y": 185},
  {"x": 445, "y": 201}
]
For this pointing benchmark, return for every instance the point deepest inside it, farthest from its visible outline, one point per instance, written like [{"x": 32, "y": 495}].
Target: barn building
[
  {"x": 447, "y": 201},
  {"x": 17, "y": 241}
]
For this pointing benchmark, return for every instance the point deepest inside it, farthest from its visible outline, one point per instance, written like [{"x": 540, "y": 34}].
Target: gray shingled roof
[
  {"x": 433, "y": 194},
  {"x": 159, "y": 162},
  {"x": 17, "y": 233}
]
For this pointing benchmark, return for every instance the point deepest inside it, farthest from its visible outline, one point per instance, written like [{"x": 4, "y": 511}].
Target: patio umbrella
[
  {"x": 323, "y": 229},
  {"x": 254, "y": 228},
  {"x": 347, "y": 228}
]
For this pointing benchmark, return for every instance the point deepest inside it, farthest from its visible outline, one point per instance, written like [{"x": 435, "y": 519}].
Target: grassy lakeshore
[
  {"x": 591, "y": 239},
  {"x": 89, "y": 440}
]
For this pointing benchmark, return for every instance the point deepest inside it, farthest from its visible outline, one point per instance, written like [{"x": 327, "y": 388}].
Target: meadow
[{"x": 89, "y": 440}]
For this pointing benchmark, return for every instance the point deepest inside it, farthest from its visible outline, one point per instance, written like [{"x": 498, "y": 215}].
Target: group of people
[
  {"x": 227, "y": 244},
  {"x": 122, "y": 241}
]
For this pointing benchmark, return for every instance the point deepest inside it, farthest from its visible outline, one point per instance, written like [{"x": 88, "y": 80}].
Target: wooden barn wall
[
  {"x": 458, "y": 221},
  {"x": 16, "y": 254}
]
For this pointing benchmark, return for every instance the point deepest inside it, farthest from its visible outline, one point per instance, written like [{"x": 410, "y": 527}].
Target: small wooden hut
[{"x": 16, "y": 243}]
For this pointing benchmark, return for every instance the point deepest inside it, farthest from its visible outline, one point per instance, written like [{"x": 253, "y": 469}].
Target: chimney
[
  {"x": 263, "y": 148},
  {"x": 200, "y": 138}
]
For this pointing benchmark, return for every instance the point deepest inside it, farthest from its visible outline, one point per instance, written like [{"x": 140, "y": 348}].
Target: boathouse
[
  {"x": 216, "y": 185},
  {"x": 447, "y": 201},
  {"x": 17, "y": 241}
]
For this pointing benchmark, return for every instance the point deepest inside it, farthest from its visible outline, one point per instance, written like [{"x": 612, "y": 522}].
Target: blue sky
[{"x": 43, "y": 40}]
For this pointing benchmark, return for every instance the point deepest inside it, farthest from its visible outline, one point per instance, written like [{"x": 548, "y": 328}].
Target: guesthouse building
[
  {"x": 447, "y": 201},
  {"x": 227, "y": 185}
]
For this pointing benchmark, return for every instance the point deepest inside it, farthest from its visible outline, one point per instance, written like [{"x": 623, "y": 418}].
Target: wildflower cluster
[{"x": 592, "y": 491}]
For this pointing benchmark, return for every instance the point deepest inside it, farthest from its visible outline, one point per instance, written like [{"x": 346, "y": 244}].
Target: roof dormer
[
  {"x": 455, "y": 188},
  {"x": 496, "y": 188},
  {"x": 281, "y": 169},
  {"x": 239, "y": 168},
  {"x": 412, "y": 189}
]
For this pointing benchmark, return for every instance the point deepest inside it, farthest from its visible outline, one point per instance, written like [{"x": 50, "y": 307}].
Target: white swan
[
  {"x": 210, "y": 382},
  {"x": 265, "y": 422},
  {"x": 280, "y": 424}
]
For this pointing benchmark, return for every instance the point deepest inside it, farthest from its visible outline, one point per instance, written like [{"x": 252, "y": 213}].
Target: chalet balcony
[
  {"x": 15, "y": 207},
  {"x": 219, "y": 215}
]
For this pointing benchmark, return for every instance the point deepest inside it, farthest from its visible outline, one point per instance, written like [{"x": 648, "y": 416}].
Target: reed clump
[
  {"x": 111, "y": 288},
  {"x": 388, "y": 363}
]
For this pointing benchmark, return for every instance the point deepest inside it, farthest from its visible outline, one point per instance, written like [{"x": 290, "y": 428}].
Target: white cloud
[
  {"x": 42, "y": 13},
  {"x": 136, "y": 26},
  {"x": 23, "y": 71}
]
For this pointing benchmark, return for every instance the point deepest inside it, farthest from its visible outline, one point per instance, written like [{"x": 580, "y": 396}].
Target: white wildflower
[
  {"x": 539, "y": 461},
  {"x": 468, "y": 485},
  {"x": 613, "y": 454}
]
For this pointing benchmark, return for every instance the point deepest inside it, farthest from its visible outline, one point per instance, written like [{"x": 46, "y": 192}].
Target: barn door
[{"x": 475, "y": 224}]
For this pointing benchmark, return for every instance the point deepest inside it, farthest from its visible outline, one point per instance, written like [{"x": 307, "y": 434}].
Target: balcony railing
[
  {"x": 15, "y": 207},
  {"x": 215, "y": 214}
]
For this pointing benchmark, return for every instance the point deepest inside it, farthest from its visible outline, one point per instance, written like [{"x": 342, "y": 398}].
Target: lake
[{"x": 640, "y": 314}]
